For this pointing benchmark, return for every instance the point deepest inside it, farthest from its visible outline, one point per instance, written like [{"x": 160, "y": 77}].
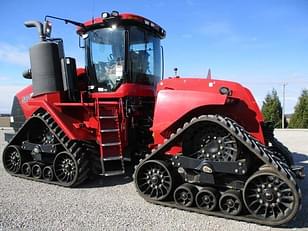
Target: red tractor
[{"x": 198, "y": 144}]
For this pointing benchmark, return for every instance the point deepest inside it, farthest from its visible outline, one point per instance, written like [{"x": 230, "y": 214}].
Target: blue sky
[{"x": 259, "y": 43}]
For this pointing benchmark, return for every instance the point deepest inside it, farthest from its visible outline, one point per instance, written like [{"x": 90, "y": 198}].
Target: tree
[
  {"x": 271, "y": 109},
  {"x": 300, "y": 117}
]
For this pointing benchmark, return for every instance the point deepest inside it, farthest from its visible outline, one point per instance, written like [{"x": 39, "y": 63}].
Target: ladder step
[
  {"x": 112, "y": 158},
  {"x": 114, "y": 173},
  {"x": 108, "y": 103},
  {"x": 111, "y": 144},
  {"x": 109, "y": 130},
  {"x": 108, "y": 117}
]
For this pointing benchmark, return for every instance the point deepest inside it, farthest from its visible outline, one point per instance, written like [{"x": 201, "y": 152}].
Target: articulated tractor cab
[{"x": 197, "y": 144}]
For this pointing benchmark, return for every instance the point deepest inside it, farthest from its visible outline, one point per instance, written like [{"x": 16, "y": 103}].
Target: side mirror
[{"x": 82, "y": 39}]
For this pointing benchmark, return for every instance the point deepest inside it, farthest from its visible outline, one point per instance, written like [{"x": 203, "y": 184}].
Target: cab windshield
[
  {"x": 107, "y": 55},
  {"x": 118, "y": 55}
]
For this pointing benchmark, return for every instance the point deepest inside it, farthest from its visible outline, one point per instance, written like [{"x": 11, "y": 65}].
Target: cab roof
[{"x": 121, "y": 19}]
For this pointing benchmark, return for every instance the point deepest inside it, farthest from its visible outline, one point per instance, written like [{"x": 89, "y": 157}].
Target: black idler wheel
[
  {"x": 154, "y": 180},
  {"x": 48, "y": 173},
  {"x": 37, "y": 171},
  {"x": 12, "y": 159},
  {"x": 65, "y": 168},
  {"x": 269, "y": 197},
  {"x": 207, "y": 199},
  {"x": 230, "y": 202},
  {"x": 185, "y": 194},
  {"x": 26, "y": 169}
]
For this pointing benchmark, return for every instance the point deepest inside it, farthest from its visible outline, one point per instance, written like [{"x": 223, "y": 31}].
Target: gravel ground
[{"x": 113, "y": 204}]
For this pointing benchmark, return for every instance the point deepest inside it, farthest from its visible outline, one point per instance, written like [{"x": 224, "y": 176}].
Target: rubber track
[
  {"x": 71, "y": 146},
  {"x": 242, "y": 136},
  {"x": 283, "y": 149}
]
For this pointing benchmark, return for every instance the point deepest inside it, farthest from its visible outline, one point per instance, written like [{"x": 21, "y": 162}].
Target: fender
[
  {"x": 179, "y": 99},
  {"x": 171, "y": 105},
  {"x": 72, "y": 127}
]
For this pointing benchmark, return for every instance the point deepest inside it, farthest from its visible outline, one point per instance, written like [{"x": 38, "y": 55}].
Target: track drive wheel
[
  {"x": 185, "y": 194},
  {"x": 67, "y": 170},
  {"x": 154, "y": 180},
  {"x": 12, "y": 159},
  {"x": 210, "y": 142},
  {"x": 269, "y": 197},
  {"x": 230, "y": 202},
  {"x": 207, "y": 199}
]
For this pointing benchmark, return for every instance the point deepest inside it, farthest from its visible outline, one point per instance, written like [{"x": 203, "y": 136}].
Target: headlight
[
  {"x": 105, "y": 15},
  {"x": 115, "y": 13}
]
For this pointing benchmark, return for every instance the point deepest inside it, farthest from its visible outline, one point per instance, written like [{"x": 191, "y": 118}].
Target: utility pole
[{"x": 283, "y": 104}]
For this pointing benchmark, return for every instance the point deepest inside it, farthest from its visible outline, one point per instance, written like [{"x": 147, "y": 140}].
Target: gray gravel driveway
[{"x": 113, "y": 204}]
